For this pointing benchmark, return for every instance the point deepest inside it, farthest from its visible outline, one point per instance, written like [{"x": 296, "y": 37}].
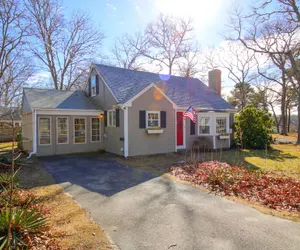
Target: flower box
[
  {"x": 223, "y": 137},
  {"x": 154, "y": 131}
]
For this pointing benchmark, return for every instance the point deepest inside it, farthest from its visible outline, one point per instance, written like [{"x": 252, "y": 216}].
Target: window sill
[
  {"x": 154, "y": 131},
  {"x": 223, "y": 137}
]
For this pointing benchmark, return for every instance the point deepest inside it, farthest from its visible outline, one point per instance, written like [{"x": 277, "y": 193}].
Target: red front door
[{"x": 179, "y": 122}]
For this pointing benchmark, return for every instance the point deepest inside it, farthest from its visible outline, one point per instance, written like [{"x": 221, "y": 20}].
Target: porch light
[{"x": 101, "y": 116}]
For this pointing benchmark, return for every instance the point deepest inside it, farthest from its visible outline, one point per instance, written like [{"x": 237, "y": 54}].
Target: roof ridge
[
  {"x": 62, "y": 90},
  {"x": 142, "y": 71}
]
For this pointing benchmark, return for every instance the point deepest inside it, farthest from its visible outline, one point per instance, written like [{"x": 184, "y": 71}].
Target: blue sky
[{"x": 116, "y": 17}]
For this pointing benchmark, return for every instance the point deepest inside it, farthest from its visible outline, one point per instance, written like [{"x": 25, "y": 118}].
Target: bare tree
[
  {"x": 271, "y": 34},
  {"x": 168, "y": 39},
  {"x": 63, "y": 46},
  {"x": 15, "y": 67},
  {"x": 189, "y": 63},
  {"x": 128, "y": 50}
]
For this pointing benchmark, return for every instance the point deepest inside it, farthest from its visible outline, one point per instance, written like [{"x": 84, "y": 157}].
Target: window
[
  {"x": 111, "y": 121},
  {"x": 79, "y": 130},
  {"x": 220, "y": 125},
  {"x": 204, "y": 127},
  {"x": 93, "y": 85},
  {"x": 95, "y": 129},
  {"x": 62, "y": 130},
  {"x": 153, "y": 119},
  {"x": 44, "y": 131}
]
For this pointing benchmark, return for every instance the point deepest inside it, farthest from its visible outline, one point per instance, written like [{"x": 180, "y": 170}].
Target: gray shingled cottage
[{"x": 126, "y": 112}]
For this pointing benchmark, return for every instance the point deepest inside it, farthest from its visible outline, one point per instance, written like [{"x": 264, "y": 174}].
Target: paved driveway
[{"x": 148, "y": 212}]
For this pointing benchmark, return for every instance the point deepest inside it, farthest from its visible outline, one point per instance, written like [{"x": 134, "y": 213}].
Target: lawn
[
  {"x": 6, "y": 146},
  {"x": 292, "y": 136},
  {"x": 284, "y": 159}
]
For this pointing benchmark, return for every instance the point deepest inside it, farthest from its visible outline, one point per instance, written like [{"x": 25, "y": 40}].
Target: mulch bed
[{"x": 255, "y": 186}]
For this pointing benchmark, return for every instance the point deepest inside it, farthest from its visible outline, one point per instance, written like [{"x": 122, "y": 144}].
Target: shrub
[
  {"x": 24, "y": 225},
  {"x": 252, "y": 128},
  {"x": 19, "y": 140}
]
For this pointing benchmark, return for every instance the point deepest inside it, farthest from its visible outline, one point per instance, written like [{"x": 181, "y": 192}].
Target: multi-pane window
[
  {"x": 93, "y": 85},
  {"x": 111, "y": 121},
  {"x": 62, "y": 130},
  {"x": 204, "y": 127},
  {"x": 44, "y": 131},
  {"x": 95, "y": 129},
  {"x": 153, "y": 119},
  {"x": 221, "y": 125},
  {"x": 79, "y": 130}
]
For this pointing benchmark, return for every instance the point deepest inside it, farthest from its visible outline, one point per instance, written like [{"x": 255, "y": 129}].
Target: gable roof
[
  {"x": 126, "y": 83},
  {"x": 10, "y": 113},
  {"x": 58, "y": 99}
]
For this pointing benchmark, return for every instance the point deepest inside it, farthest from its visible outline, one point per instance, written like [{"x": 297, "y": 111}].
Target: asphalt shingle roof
[
  {"x": 58, "y": 99},
  {"x": 9, "y": 113},
  {"x": 125, "y": 84}
]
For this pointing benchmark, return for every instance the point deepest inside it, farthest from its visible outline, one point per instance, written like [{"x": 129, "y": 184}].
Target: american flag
[{"x": 190, "y": 113}]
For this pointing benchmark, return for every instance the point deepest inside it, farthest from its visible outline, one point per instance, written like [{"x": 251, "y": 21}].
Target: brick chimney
[{"x": 214, "y": 80}]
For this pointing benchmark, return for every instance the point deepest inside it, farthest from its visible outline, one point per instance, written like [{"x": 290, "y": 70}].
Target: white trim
[
  {"x": 68, "y": 131},
  {"x": 108, "y": 124},
  {"x": 129, "y": 102},
  {"x": 91, "y": 129},
  {"x": 126, "y": 137},
  {"x": 50, "y": 136},
  {"x": 184, "y": 130},
  {"x": 64, "y": 112},
  {"x": 152, "y": 112},
  {"x": 85, "y": 138},
  {"x": 95, "y": 67},
  {"x": 34, "y": 120}
]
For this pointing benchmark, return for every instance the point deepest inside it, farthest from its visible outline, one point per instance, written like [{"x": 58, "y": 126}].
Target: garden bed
[{"x": 265, "y": 188}]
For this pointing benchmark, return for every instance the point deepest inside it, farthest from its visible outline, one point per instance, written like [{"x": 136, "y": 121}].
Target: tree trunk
[
  {"x": 283, "y": 112},
  {"x": 289, "y": 119},
  {"x": 298, "y": 140}
]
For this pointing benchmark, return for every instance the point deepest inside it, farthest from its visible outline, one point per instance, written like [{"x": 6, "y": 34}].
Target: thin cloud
[
  {"x": 111, "y": 6},
  {"x": 121, "y": 22}
]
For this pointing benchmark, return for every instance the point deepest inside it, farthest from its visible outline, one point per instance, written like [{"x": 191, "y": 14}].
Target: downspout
[
  {"x": 34, "y": 136},
  {"x": 126, "y": 143}
]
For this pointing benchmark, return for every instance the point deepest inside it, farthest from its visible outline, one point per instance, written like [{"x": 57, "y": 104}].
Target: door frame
[{"x": 184, "y": 131}]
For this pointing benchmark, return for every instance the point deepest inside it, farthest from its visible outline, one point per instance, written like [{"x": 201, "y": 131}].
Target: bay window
[
  {"x": 221, "y": 124},
  {"x": 204, "y": 125}
]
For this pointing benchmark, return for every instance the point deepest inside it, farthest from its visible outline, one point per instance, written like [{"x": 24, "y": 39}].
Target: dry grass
[
  {"x": 70, "y": 224},
  {"x": 5, "y": 146},
  {"x": 291, "y": 136}
]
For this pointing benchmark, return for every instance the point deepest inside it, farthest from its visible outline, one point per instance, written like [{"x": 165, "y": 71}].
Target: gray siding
[
  {"x": 25, "y": 105},
  {"x": 222, "y": 143},
  {"x": 54, "y": 148},
  {"x": 140, "y": 143},
  {"x": 113, "y": 142},
  {"x": 27, "y": 132},
  {"x": 105, "y": 98}
]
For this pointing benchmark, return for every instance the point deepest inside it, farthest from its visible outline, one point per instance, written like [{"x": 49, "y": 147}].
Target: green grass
[{"x": 284, "y": 159}]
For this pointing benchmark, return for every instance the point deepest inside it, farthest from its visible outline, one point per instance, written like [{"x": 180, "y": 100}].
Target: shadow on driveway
[{"x": 94, "y": 173}]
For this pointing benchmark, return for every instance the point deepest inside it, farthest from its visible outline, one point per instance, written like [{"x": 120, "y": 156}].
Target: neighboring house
[
  {"x": 127, "y": 113},
  {"x": 10, "y": 117}
]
